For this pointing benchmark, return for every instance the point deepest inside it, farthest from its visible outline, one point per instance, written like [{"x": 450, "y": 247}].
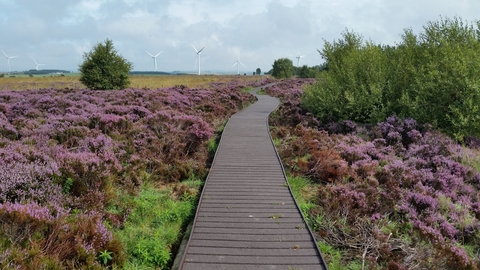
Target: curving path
[{"x": 247, "y": 217}]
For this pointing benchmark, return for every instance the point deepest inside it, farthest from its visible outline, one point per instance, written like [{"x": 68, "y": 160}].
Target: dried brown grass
[{"x": 137, "y": 81}]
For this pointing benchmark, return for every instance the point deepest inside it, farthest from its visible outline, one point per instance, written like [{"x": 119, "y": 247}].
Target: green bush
[
  {"x": 104, "y": 69},
  {"x": 433, "y": 76},
  {"x": 282, "y": 68},
  {"x": 308, "y": 72},
  {"x": 352, "y": 87}
]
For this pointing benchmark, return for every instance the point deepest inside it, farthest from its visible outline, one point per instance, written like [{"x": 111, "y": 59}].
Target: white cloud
[{"x": 261, "y": 30}]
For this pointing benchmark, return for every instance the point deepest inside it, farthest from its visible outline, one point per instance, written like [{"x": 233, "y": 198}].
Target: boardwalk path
[{"x": 247, "y": 217}]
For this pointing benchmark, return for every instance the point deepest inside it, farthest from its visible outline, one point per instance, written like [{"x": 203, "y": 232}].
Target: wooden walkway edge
[{"x": 247, "y": 217}]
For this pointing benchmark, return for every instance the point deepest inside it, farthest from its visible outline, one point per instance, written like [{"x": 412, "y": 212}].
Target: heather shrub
[
  {"x": 54, "y": 237},
  {"x": 26, "y": 176},
  {"x": 401, "y": 192},
  {"x": 83, "y": 156},
  {"x": 290, "y": 109}
]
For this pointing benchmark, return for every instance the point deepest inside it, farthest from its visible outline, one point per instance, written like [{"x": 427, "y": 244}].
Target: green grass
[
  {"x": 156, "y": 224},
  {"x": 212, "y": 146},
  {"x": 299, "y": 185},
  {"x": 247, "y": 89},
  {"x": 277, "y": 142}
]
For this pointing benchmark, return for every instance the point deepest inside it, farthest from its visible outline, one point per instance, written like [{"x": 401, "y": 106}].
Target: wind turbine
[
  {"x": 154, "y": 58},
  {"x": 298, "y": 58},
  {"x": 37, "y": 64},
  {"x": 8, "y": 60},
  {"x": 238, "y": 67},
  {"x": 198, "y": 57}
]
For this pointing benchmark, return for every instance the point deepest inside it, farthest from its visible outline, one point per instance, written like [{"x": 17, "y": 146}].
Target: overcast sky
[{"x": 57, "y": 32}]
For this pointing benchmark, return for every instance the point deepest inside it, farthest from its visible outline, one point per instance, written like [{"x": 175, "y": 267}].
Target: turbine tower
[
  {"x": 154, "y": 59},
  {"x": 8, "y": 60},
  {"x": 37, "y": 64},
  {"x": 298, "y": 58},
  {"x": 198, "y": 57},
  {"x": 238, "y": 67}
]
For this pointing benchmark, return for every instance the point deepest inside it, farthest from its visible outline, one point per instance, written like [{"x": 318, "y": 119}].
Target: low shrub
[
  {"x": 82, "y": 157},
  {"x": 396, "y": 194}
]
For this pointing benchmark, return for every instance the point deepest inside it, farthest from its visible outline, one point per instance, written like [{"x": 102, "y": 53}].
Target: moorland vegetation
[
  {"x": 395, "y": 195},
  {"x": 382, "y": 149},
  {"x": 105, "y": 179}
]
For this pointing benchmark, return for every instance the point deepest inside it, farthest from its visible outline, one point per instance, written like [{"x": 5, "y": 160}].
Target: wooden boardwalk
[{"x": 247, "y": 217}]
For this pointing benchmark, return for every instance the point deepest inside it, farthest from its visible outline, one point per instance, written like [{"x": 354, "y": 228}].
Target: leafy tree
[
  {"x": 308, "y": 72},
  {"x": 282, "y": 68},
  {"x": 104, "y": 69},
  {"x": 352, "y": 87},
  {"x": 258, "y": 71}
]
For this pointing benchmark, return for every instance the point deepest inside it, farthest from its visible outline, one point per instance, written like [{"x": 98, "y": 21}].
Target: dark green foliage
[
  {"x": 282, "y": 68},
  {"x": 433, "y": 76},
  {"x": 258, "y": 71},
  {"x": 104, "y": 69},
  {"x": 352, "y": 88},
  {"x": 308, "y": 72}
]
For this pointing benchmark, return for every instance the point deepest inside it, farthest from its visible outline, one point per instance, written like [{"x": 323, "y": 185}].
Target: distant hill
[
  {"x": 45, "y": 71},
  {"x": 149, "y": 73}
]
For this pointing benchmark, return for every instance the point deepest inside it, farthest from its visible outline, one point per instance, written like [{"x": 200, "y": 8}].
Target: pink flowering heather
[
  {"x": 398, "y": 172},
  {"x": 74, "y": 148}
]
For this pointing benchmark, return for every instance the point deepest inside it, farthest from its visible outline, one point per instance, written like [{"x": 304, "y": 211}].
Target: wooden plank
[
  {"x": 244, "y": 207},
  {"x": 256, "y": 201},
  {"x": 269, "y": 214},
  {"x": 222, "y": 208},
  {"x": 294, "y": 245},
  {"x": 209, "y": 266},
  {"x": 252, "y": 225},
  {"x": 271, "y": 237},
  {"x": 251, "y": 218},
  {"x": 287, "y": 231},
  {"x": 259, "y": 259},
  {"x": 252, "y": 251}
]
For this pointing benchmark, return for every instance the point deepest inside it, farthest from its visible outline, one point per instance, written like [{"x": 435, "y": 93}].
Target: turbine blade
[
  {"x": 236, "y": 63},
  {"x": 195, "y": 48},
  {"x": 4, "y": 53},
  {"x": 158, "y": 54},
  {"x": 201, "y": 49},
  {"x": 150, "y": 54},
  {"x": 242, "y": 64}
]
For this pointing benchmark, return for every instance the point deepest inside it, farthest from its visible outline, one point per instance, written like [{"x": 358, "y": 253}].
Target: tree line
[{"x": 284, "y": 68}]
